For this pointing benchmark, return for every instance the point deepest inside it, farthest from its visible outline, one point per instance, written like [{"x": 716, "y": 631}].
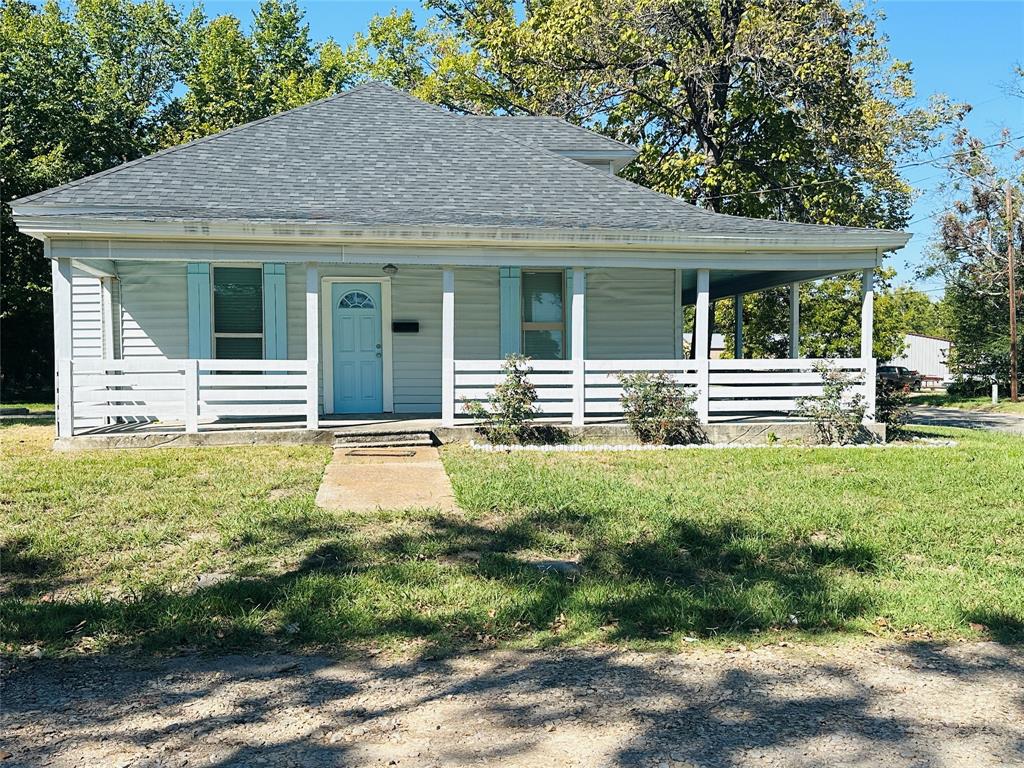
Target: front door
[{"x": 358, "y": 358}]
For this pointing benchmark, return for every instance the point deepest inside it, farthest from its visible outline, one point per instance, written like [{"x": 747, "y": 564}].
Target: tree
[
  {"x": 970, "y": 253},
  {"x": 237, "y": 78},
  {"x": 78, "y": 94}
]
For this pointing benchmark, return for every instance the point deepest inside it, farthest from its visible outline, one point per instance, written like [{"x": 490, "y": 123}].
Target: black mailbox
[{"x": 405, "y": 326}]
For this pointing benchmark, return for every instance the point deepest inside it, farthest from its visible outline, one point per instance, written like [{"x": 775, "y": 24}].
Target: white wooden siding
[
  {"x": 154, "y": 309},
  {"x": 630, "y": 314},
  {"x": 86, "y": 316}
]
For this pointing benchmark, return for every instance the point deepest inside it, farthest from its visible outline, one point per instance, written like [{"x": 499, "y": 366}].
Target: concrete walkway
[
  {"x": 955, "y": 417},
  {"x": 368, "y": 479}
]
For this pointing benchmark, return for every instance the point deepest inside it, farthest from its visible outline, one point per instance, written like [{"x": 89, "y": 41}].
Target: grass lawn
[
  {"x": 968, "y": 403},
  {"x": 101, "y": 550}
]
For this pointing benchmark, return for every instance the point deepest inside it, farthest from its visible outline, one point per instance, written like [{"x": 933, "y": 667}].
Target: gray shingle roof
[
  {"x": 376, "y": 156},
  {"x": 553, "y": 134}
]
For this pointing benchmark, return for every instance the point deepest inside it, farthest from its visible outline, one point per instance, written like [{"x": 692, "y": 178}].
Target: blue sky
[{"x": 964, "y": 48}]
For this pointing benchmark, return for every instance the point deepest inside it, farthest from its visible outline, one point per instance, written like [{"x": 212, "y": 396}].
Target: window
[
  {"x": 544, "y": 315},
  {"x": 356, "y": 300},
  {"x": 237, "y": 313}
]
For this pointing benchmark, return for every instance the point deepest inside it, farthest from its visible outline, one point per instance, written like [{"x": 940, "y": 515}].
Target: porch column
[
  {"x": 579, "y": 320},
  {"x": 60, "y": 270},
  {"x": 312, "y": 346},
  {"x": 678, "y": 317},
  {"x": 737, "y": 326},
  {"x": 701, "y": 340},
  {"x": 448, "y": 348},
  {"x": 867, "y": 355},
  {"x": 794, "y": 320}
]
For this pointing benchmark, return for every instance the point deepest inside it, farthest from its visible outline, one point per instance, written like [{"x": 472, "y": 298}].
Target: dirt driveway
[
  {"x": 953, "y": 417},
  {"x": 894, "y": 705}
]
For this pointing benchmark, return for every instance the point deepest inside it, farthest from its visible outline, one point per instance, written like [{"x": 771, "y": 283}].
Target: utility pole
[{"x": 1011, "y": 266}]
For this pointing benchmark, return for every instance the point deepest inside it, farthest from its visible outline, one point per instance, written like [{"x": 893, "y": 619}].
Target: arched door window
[{"x": 356, "y": 300}]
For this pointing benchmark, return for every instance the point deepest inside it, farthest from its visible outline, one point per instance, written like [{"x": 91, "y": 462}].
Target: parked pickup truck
[{"x": 900, "y": 376}]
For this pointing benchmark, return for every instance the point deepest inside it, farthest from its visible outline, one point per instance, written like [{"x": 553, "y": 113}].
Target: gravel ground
[{"x": 870, "y": 705}]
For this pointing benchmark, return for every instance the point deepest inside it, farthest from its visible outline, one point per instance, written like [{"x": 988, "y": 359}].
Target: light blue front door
[{"x": 356, "y": 340}]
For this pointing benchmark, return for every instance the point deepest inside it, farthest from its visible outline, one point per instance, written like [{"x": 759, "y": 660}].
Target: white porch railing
[
  {"x": 92, "y": 392},
  {"x": 725, "y": 389}
]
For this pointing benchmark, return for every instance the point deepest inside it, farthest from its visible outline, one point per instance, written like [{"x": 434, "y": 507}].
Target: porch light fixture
[{"x": 390, "y": 269}]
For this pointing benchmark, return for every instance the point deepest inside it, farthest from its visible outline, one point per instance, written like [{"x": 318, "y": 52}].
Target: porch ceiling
[{"x": 728, "y": 283}]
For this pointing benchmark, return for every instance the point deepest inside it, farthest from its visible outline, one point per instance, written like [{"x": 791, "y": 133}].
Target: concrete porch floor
[{"x": 358, "y": 422}]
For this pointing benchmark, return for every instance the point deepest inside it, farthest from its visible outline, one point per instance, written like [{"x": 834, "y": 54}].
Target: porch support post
[
  {"x": 60, "y": 270},
  {"x": 701, "y": 341},
  {"x": 737, "y": 322},
  {"x": 312, "y": 346},
  {"x": 678, "y": 330},
  {"x": 579, "y": 319},
  {"x": 448, "y": 348},
  {"x": 794, "y": 320},
  {"x": 191, "y": 396},
  {"x": 867, "y": 355},
  {"x": 107, "y": 319}
]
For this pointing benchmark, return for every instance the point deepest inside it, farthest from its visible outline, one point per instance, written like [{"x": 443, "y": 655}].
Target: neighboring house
[
  {"x": 373, "y": 254},
  {"x": 928, "y": 355}
]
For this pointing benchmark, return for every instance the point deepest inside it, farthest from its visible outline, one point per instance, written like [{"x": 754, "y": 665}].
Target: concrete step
[{"x": 383, "y": 439}]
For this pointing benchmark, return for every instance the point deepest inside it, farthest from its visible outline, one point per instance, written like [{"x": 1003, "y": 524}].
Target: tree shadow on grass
[
  {"x": 25, "y": 570},
  {"x": 449, "y": 582}
]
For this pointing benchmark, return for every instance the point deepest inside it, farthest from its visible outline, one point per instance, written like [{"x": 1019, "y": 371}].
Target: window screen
[
  {"x": 544, "y": 315},
  {"x": 237, "y": 313}
]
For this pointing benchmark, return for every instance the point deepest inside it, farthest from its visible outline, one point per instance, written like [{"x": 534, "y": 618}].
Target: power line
[{"x": 822, "y": 182}]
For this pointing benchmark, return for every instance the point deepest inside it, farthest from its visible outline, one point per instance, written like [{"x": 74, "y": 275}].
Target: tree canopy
[{"x": 970, "y": 253}]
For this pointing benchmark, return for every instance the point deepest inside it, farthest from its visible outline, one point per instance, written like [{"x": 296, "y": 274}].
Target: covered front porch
[{"x": 114, "y": 392}]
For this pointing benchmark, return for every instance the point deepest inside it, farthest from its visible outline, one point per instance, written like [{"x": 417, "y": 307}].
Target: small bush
[
  {"x": 963, "y": 387},
  {"x": 837, "y": 417},
  {"x": 658, "y": 410},
  {"x": 892, "y": 406},
  {"x": 511, "y": 404}
]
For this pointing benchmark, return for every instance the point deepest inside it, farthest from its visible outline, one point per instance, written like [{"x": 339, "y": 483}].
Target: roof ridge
[
  {"x": 562, "y": 121},
  {"x": 201, "y": 140},
  {"x": 580, "y": 128}
]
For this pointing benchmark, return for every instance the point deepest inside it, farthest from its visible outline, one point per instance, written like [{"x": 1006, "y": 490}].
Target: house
[
  {"x": 372, "y": 254},
  {"x": 928, "y": 355}
]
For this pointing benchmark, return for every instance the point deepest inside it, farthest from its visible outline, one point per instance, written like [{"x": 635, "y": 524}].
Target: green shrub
[
  {"x": 659, "y": 410},
  {"x": 892, "y": 406},
  {"x": 837, "y": 416},
  {"x": 508, "y": 418},
  {"x": 964, "y": 387}
]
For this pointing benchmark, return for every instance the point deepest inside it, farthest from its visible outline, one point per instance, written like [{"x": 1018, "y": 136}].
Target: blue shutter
[
  {"x": 511, "y": 311},
  {"x": 275, "y": 316},
  {"x": 567, "y": 308},
  {"x": 200, "y": 337}
]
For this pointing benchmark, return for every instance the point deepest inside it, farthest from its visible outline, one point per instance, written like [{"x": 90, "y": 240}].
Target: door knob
[{"x": 378, "y": 354}]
